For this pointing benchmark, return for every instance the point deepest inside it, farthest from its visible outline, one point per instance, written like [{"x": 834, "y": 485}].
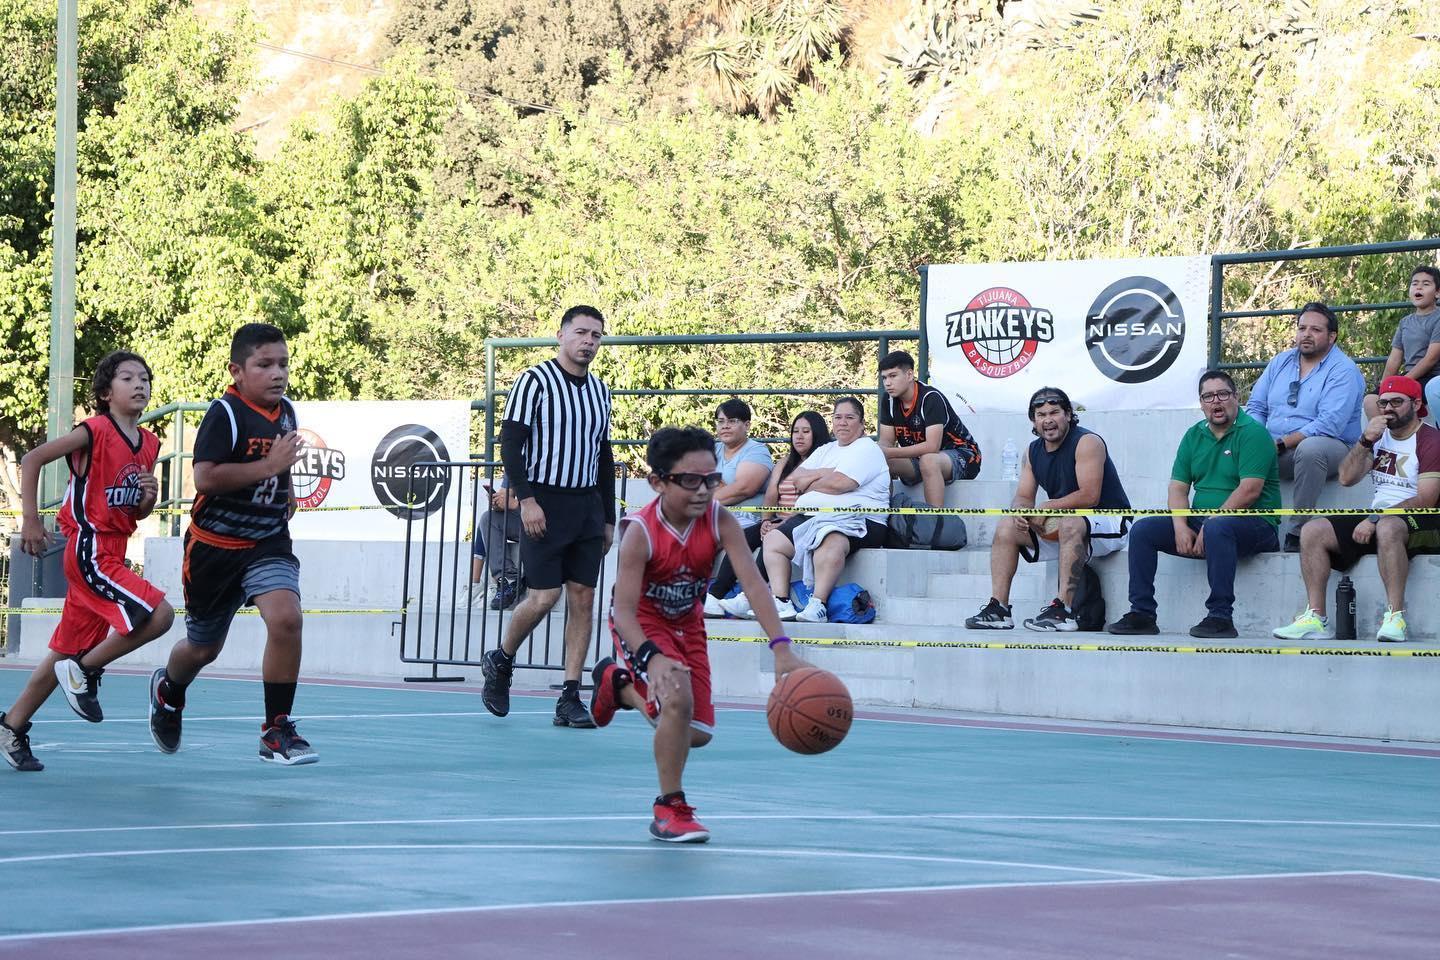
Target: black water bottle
[{"x": 1345, "y": 610}]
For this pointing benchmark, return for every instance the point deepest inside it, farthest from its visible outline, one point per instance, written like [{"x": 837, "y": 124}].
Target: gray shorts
[
  {"x": 263, "y": 575},
  {"x": 959, "y": 464}
]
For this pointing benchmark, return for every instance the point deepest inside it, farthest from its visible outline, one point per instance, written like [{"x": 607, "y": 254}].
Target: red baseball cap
[{"x": 1408, "y": 386}]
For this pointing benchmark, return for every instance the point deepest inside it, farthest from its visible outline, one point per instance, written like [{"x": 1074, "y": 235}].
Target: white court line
[
  {"x": 646, "y": 850},
  {"x": 708, "y": 898},
  {"x": 317, "y": 716},
  {"x": 735, "y": 817}
]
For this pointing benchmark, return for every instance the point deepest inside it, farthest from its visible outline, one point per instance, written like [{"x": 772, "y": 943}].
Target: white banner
[
  {"x": 1113, "y": 334},
  {"x": 361, "y": 454}
]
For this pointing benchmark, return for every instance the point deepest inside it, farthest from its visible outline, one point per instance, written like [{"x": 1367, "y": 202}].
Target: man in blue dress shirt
[{"x": 1309, "y": 398}]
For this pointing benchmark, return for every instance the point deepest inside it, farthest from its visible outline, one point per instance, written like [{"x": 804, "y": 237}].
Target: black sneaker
[
  {"x": 1053, "y": 618},
  {"x": 81, "y": 688},
  {"x": 282, "y": 743},
  {"x": 993, "y": 616},
  {"x": 1214, "y": 628},
  {"x": 570, "y": 712},
  {"x": 506, "y": 593},
  {"x": 1134, "y": 625},
  {"x": 498, "y": 670},
  {"x": 15, "y": 745},
  {"x": 164, "y": 719}
]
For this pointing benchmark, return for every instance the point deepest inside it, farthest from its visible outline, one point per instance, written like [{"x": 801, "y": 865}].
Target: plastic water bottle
[
  {"x": 1345, "y": 609},
  {"x": 1010, "y": 460}
]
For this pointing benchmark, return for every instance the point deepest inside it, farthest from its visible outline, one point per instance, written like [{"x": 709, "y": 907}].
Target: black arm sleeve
[
  {"x": 607, "y": 480},
  {"x": 512, "y": 454}
]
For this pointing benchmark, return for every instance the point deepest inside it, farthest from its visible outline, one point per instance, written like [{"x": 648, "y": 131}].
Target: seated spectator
[
  {"x": 1402, "y": 457},
  {"x": 849, "y": 473},
  {"x": 744, "y": 464},
  {"x": 1229, "y": 460},
  {"x": 808, "y": 432},
  {"x": 1309, "y": 399},
  {"x": 1415, "y": 349},
  {"x": 924, "y": 440},
  {"x": 1073, "y": 466},
  {"x": 497, "y": 531}
]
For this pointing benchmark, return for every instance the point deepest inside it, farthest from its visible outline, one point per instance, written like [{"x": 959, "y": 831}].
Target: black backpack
[
  {"x": 1088, "y": 603},
  {"x": 924, "y": 531}
]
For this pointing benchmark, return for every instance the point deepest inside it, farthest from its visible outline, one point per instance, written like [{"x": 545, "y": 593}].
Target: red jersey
[
  {"x": 104, "y": 498},
  {"x": 678, "y": 571}
]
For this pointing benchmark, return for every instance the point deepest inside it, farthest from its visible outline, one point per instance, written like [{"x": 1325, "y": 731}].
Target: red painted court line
[{"x": 1356, "y": 916}]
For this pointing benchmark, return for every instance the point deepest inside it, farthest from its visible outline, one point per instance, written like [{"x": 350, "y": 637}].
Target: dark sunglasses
[
  {"x": 1294, "y": 392},
  {"x": 694, "y": 481},
  {"x": 1045, "y": 398}
]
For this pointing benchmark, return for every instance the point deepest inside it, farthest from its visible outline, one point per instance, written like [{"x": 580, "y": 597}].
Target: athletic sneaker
[
  {"x": 498, "y": 670},
  {"x": 570, "y": 712},
  {"x": 738, "y": 606},
  {"x": 814, "y": 612},
  {"x": 712, "y": 607},
  {"x": 1214, "y": 628},
  {"x": 15, "y": 745},
  {"x": 993, "y": 616},
  {"x": 785, "y": 609},
  {"x": 609, "y": 679},
  {"x": 675, "y": 822},
  {"x": 1055, "y": 617},
  {"x": 1134, "y": 625},
  {"x": 281, "y": 743},
  {"x": 164, "y": 719},
  {"x": 81, "y": 688},
  {"x": 1392, "y": 628},
  {"x": 507, "y": 593},
  {"x": 1308, "y": 625}
]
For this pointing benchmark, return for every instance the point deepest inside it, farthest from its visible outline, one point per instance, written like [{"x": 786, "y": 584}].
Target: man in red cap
[{"x": 1402, "y": 456}]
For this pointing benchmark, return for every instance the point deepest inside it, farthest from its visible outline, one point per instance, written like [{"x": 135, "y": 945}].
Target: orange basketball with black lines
[{"x": 809, "y": 710}]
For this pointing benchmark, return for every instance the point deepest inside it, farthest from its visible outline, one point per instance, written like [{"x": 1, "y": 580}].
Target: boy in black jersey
[
  {"x": 237, "y": 549},
  {"x": 925, "y": 442}
]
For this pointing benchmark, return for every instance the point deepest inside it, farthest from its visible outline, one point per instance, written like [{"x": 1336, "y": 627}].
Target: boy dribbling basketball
[
  {"x": 667, "y": 551},
  {"x": 109, "y": 610},
  {"x": 238, "y": 549}
]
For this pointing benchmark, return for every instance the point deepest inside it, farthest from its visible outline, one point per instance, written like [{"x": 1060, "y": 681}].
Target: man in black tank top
[{"x": 1073, "y": 467}]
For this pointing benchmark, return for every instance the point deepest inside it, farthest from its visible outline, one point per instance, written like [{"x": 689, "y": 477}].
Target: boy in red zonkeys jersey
[
  {"x": 237, "y": 548},
  {"x": 667, "y": 551},
  {"x": 109, "y": 611}
]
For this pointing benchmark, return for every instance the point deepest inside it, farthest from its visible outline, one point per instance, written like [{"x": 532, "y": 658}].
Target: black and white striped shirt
[{"x": 568, "y": 419}]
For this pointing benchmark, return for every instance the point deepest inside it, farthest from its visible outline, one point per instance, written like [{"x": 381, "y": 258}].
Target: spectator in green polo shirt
[{"x": 1229, "y": 460}]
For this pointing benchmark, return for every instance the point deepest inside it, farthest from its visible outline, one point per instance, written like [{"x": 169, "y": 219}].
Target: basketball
[
  {"x": 1051, "y": 530},
  {"x": 809, "y": 710}
]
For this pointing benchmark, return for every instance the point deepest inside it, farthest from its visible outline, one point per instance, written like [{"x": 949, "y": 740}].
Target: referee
[{"x": 555, "y": 444}]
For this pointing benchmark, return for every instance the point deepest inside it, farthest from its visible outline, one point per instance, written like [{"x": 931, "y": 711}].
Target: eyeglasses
[
  {"x": 1294, "y": 393},
  {"x": 727, "y": 422},
  {"x": 1216, "y": 396},
  {"x": 694, "y": 481},
  {"x": 1392, "y": 403}
]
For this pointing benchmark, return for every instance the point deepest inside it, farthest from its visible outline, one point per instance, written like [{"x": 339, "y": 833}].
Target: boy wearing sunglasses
[{"x": 667, "y": 550}]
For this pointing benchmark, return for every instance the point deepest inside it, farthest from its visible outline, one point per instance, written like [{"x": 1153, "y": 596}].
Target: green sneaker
[
  {"x": 1307, "y": 626},
  {"x": 1392, "y": 628}
]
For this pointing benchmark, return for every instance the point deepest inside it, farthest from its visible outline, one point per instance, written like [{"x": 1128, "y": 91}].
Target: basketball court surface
[{"x": 432, "y": 829}]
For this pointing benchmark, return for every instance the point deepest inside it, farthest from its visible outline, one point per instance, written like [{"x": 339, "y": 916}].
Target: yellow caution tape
[
  {"x": 1095, "y": 647},
  {"x": 1089, "y": 511},
  {"x": 322, "y": 612}
]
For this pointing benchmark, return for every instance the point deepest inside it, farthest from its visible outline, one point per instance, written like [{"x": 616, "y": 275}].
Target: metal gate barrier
[{"x": 446, "y": 620}]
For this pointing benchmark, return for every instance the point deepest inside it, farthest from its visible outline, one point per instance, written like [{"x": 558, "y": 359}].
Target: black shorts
[
  {"x": 574, "y": 543},
  {"x": 218, "y": 581},
  {"x": 876, "y": 534},
  {"x": 1424, "y": 538}
]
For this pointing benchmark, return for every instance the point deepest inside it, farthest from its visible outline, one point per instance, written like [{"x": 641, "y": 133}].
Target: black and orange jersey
[
  {"x": 236, "y": 431},
  {"x": 928, "y": 408},
  {"x": 105, "y": 496}
]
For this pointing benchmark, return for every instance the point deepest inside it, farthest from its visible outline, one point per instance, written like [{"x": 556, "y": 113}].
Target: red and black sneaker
[
  {"x": 609, "y": 679},
  {"x": 675, "y": 821}
]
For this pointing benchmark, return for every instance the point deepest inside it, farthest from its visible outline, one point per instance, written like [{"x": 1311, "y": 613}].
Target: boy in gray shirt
[{"x": 1415, "y": 349}]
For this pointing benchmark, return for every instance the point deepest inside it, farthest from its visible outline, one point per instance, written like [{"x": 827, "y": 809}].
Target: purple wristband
[{"x": 779, "y": 640}]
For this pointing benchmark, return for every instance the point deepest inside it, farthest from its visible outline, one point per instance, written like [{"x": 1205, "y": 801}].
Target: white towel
[{"x": 809, "y": 535}]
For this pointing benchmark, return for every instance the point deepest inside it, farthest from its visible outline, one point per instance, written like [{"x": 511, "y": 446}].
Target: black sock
[
  {"x": 665, "y": 799},
  {"x": 172, "y": 693},
  {"x": 571, "y": 689},
  {"x": 509, "y": 657},
  {"x": 784, "y": 599},
  {"x": 279, "y": 698}
]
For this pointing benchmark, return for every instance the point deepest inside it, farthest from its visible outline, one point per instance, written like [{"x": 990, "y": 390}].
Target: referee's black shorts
[{"x": 574, "y": 543}]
